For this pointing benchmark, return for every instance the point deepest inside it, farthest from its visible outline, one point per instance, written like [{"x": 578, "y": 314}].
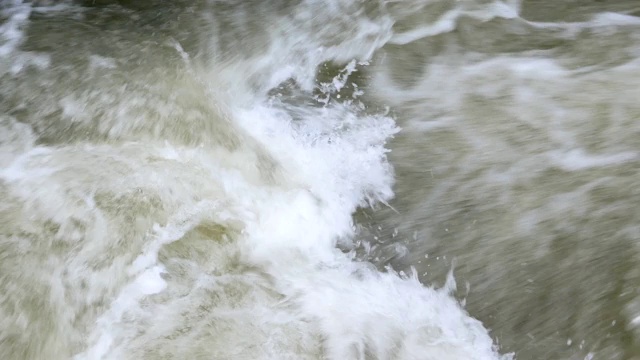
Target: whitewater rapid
[
  {"x": 293, "y": 179},
  {"x": 161, "y": 201}
]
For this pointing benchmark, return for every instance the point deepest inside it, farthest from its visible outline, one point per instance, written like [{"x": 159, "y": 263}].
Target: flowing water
[{"x": 319, "y": 179}]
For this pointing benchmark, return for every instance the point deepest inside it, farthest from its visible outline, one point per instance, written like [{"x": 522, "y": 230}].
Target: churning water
[{"x": 319, "y": 179}]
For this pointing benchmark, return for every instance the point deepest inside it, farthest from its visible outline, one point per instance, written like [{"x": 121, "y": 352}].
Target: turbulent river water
[{"x": 319, "y": 179}]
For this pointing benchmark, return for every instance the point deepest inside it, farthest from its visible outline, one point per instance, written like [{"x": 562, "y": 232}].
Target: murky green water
[
  {"x": 544, "y": 235},
  {"x": 175, "y": 178}
]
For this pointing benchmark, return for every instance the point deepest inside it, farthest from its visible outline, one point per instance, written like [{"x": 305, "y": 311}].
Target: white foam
[
  {"x": 340, "y": 158},
  {"x": 617, "y": 19},
  {"x": 11, "y": 31},
  {"x": 578, "y": 159},
  {"x": 335, "y": 161},
  {"x": 597, "y": 22},
  {"x": 146, "y": 274},
  {"x": 147, "y": 283},
  {"x": 327, "y": 162},
  {"x": 447, "y": 22},
  {"x": 12, "y": 35}
]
